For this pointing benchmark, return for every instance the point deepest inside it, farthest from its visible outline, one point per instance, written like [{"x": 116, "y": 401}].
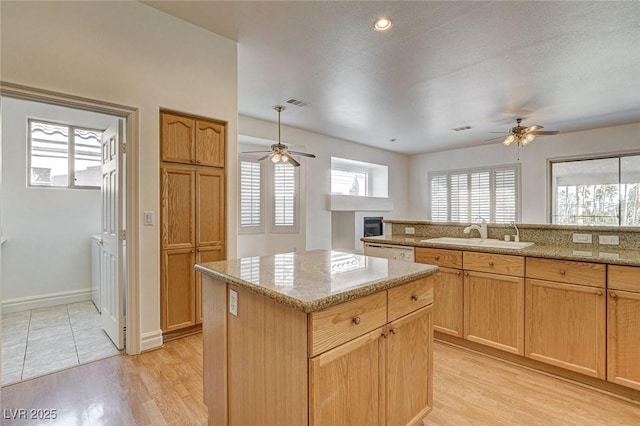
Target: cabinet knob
[
  {"x": 613, "y": 295},
  {"x": 562, "y": 272},
  {"x": 599, "y": 293},
  {"x": 356, "y": 320},
  {"x": 198, "y": 161},
  {"x": 466, "y": 274},
  {"x": 384, "y": 335},
  {"x": 393, "y": 330},
  {"x": 490, "y": 263},
  {"x": 458, "y": 273},
  {"x": 414, "y": 297}
]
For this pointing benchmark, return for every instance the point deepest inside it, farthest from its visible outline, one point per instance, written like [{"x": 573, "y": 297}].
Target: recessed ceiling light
[{"x": 382, "y": 24}]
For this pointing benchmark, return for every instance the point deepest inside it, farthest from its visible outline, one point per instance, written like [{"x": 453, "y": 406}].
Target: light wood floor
[{"x": 165, "y": 387}]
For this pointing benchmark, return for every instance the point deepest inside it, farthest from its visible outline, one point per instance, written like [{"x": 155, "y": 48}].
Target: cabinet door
[
  {"x": 623, "y": 338},
  {"x": 204, "y": 255},
  {"x": 178, "y": 208},
  {"x": 345, "y": 385},
  {"x": 448, "y": 306},
  {"x": 409, "y": 368},
  {"x": 566, "y": 326},
  {"x": 177, "y": 295},
  {"x": 494, "y": 311},
  {"x": 177, "y": 136},
  {"x": 210, "y": 214},
  {"x": 210, "y": 143}
]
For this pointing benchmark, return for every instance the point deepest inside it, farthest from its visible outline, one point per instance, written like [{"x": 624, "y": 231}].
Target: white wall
[
  {"x": 318, "y": 178},
  {"x": 129, "y": 54},
  {"x": 48, "y": 230},
  {"x": 533, "y": 159}
]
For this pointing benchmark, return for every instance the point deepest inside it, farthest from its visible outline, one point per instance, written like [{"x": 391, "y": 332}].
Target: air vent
[
  {"x": 297, "y": 102},
  {"x": 461, "y": 128}
]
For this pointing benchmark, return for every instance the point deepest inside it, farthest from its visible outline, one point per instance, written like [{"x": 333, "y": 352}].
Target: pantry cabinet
[
  {"x": 623, "y": 330},
  {"x": 566, "y": 315},
  {"x": 192, "y": 213}
]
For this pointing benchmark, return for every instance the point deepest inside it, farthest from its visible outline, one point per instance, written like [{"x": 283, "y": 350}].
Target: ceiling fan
[
  {"x": 280, "y": 153},
  {"x": 522, "y": 135}
]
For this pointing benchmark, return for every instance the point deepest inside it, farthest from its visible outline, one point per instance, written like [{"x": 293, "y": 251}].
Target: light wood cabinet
[
  {"x": 448, "y": 289},
  {"x": 566, "y": 315},
  {"x": 191, "y": 140},
  {"x": 623, "y": 332},
  {"x": 494, "y": 310},
  {"x": 192, "y": 213}
]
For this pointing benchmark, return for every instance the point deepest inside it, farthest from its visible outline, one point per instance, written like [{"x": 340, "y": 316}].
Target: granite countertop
[
  {"x": 608, "y": 255},
  {"x": 317, "y": 279}
]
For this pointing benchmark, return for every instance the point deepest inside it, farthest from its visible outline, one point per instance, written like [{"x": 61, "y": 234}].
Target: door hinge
[
  {"x": 123, "y": 147},
  {"x": 123, "y": 235}
]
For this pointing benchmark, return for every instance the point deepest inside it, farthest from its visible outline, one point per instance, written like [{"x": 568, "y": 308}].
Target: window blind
[
  {"x": 465, "y": 195},
  {"x": 250, "y": 194}
]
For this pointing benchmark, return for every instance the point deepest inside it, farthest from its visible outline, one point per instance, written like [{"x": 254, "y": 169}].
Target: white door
[{"x": 112, "y": 313}]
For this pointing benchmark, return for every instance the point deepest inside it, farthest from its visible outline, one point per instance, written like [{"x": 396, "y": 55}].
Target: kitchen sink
[{"x": 480, "y": 242}]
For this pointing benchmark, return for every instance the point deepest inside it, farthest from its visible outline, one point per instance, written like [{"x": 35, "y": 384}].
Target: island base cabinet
[
  {"x": 623, "y": 329},
  {"x": 494, "y": 311},
  {"x": 566, "y": 326}
]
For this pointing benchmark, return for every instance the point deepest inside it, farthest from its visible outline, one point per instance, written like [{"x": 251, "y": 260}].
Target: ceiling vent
[
  {"x": 461, "y": 128},
  {"x": 297, "y": 102}
]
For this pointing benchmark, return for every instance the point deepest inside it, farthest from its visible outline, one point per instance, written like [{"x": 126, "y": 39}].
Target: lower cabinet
[
  {"x": 448, "y": 291},
  {"x": 204, "y": 255},
  {"x": 177, "y": 289},
  {"x": 376, "y": 379},
  {"x": 566, "y": 326},
  {"x": 623, "y": 330},
  {"x": 494, "y": 310}
]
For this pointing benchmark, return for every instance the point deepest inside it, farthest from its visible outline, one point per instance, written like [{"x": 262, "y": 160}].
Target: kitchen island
[{"x": 317, "y": 338}]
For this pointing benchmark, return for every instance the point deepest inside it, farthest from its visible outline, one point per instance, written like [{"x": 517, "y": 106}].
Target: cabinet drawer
[
  {"x": 494, "y": 263},
  {"x": 624, "y": 278},
  {"x": 409, "y": 297},
  {"x": 566, "y": 271},
  {"x": 338, "y": 324},
  {"x": 439, "y": 257}
]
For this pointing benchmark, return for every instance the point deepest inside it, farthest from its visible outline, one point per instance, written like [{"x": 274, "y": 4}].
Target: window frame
[
  {"x": 71, "y": 143},
  {"x": 492, "y": 191},
  {"x": 251, "y": 229},
  {"x": 355, "y": 170},
  {"x": 551, "y": 200}
]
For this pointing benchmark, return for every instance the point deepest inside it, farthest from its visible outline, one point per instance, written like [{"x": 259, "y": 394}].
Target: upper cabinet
[{"x": 191, "y": 141}]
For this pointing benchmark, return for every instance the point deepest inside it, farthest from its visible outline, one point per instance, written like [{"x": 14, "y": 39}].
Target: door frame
[{"x": 131, "y": 213}]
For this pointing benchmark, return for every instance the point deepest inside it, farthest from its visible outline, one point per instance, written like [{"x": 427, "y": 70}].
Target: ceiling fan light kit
[
  {"x": 279, "y": 153},
  {"x": 522, "y": 136}
]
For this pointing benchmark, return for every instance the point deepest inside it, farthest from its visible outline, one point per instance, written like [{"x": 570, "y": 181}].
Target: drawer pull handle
[
  {"x": 356, "y": 320},
  {"x": 393, "y": 330},
  {"x": 562, "y": 272},
  {"x": 437, "y": 258},
  {"x": 599, "y": 293},
  {"x": 384, "y": 335},
  {"x": 490, "y": 263},
  {"x": 613, "y": 295},
  {"x": 414, "y": 297}
]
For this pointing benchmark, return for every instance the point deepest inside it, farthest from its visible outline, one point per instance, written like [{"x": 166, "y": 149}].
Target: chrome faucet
[{"x": 482, "y": 228}]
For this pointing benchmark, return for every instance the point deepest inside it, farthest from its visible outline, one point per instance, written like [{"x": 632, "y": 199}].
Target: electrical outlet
[
  {"x": 582, "y": 238},
  {"x": 409, "y": 230},
  {"x": 233, "y": 302},
  {"x": 611, "y": 240}
]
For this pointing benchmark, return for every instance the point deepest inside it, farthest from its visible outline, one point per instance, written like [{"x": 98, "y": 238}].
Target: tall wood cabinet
[{"x": 192, "y": 214}]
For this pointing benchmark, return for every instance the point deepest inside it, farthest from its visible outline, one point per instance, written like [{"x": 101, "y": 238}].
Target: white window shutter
[
  {"x": 284, "y": 196},
  {"x": 250, "y": 194}
]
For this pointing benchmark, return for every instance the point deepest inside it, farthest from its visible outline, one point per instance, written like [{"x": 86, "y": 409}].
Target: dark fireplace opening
[{"x": 372, "y": 226}]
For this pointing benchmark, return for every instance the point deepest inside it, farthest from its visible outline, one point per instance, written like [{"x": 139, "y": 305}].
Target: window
[
  {"x": 251, "y": 199},
  {"x": 465, "y": 195},
  {"x": 596, "y": 191},
  {"x": 64, "y": 156},
  {"x": 285, "y": 198},
  {"x": 347, "y": 182}
]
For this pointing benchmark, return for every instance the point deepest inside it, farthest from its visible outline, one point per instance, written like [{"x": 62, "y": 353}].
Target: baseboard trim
[
  {"x": 151, "y": 340},
  {"x": 45, "y": 300}
]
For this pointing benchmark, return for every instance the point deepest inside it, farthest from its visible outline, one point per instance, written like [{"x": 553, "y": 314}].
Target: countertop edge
[
  {"x": 325, "y": 302},
  {"x": 547, "y": 251}
]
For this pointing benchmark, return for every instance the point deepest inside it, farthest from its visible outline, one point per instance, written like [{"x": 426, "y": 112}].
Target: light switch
[{"x": 148, "y": 218}]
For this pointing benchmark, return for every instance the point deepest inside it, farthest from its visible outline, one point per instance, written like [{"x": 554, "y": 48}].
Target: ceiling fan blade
[
  {"x": 304, "y": 154},
  {"x": 265, "y": 157},
  {"x": 253, "y": 152},
  {"x": 289, "y": 159},
  {"x": 534, "y": 128},
  {"x": 544, "y": 132}
]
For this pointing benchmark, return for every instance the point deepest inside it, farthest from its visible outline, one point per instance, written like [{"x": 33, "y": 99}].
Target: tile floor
[{"x": 45, "y": 340}]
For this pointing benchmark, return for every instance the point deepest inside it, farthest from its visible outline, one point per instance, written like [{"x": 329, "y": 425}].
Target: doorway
[{"x": 49, "y": 320}]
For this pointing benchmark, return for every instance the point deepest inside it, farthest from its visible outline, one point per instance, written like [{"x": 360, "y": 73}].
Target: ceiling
[{"x": 567, "y": 66}]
